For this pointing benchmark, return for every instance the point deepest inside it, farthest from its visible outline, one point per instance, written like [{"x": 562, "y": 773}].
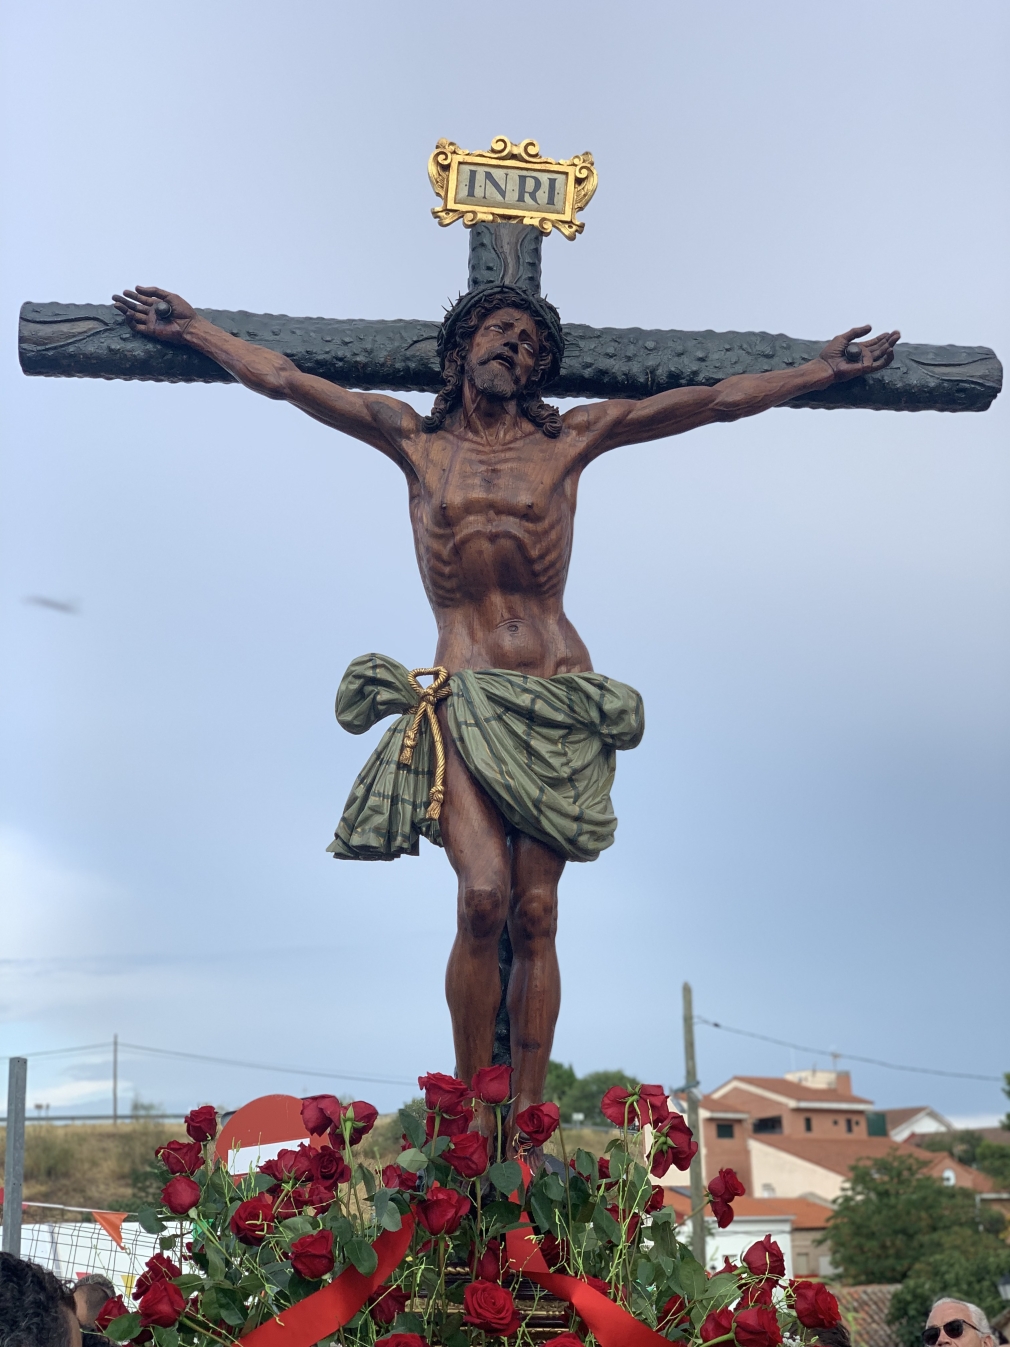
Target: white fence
[{"x": 72, "y": 1248}]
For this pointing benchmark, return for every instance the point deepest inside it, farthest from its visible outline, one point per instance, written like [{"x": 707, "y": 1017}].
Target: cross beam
[{"x": 93, "y": 341}]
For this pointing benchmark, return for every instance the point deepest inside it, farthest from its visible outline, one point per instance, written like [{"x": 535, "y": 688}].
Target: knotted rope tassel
[{"x": 428, "y": 697}]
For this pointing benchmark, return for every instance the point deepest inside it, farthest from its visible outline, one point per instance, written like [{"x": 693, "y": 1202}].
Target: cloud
[{"x": 43, "y": 900}]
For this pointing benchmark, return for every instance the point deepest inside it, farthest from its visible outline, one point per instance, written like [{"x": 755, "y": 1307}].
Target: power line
[
  {"x": 57, "y": 1052},
  {"x": 849, "y": 1056}
]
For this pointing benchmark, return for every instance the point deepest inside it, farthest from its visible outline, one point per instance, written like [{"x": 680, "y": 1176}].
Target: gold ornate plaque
[{"x": 511, "y": 182}]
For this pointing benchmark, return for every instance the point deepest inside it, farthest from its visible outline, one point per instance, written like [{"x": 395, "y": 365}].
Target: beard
[{"x": 492, "y": 378}]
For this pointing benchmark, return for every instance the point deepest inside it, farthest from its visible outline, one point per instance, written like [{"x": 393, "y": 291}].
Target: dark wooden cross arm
[{"x": 94, "y": 341}]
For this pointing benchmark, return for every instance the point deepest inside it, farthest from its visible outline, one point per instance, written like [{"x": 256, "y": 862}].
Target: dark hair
[
  {"x": 94, "y": 1290},
  {"x": 33, "y": 1305},
  {"x": 460, "y": 325}
]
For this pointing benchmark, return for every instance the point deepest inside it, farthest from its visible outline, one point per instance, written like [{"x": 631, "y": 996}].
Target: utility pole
[
  {"x": 691, "y": 1090},
  {"x": 115, "y": 1079},
  {"x": 14, "y": 1161}
]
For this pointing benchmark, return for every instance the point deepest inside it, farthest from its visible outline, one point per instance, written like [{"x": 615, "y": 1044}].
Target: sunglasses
[{"x": 953, "y": 1329}]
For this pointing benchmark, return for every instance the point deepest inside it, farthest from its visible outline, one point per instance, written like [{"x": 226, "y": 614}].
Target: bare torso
[{"x": 493, "y": 527}]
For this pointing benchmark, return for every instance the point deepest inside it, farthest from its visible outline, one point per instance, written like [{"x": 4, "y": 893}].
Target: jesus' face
[{"x": 503, "y": 352}]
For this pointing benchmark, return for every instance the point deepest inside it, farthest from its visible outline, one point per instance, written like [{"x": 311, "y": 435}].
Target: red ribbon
[
  {"x": 336, "y": 1304},
  {"x": 611, "y": 1325}
]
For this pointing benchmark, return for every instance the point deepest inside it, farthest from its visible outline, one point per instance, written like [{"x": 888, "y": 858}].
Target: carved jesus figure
[{"x": 492, "y": 476}]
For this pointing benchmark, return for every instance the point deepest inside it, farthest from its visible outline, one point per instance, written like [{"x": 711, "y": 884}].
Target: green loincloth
[{"x": 542, "y": 748}]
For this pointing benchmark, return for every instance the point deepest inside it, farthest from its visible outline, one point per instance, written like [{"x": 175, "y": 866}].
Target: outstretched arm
[
  {"x": 607, "y": 425},
  {"x": 383, "y": 422}
]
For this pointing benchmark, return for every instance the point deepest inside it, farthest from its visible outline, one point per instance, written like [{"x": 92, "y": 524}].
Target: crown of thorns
[{"x": 508, "y": 297}]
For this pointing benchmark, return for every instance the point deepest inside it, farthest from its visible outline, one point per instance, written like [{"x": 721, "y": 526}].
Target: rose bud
[
  {"x": 815, "y": 1306},
  {"x": 490, "y": 1307},
  {"x": 757, "y": 1327},
  {"x": 395, "y": 1177},
  {"x": 719, "y": 1324},
  {"x": 289, "y": 1164},
  {"x": 161, "y": 1305},
  {"x": 635, "y": 1108},
  {"x": 538, "y": 1122},
  {"x": 468, "y": 1155},
  {"x": 112, "y": 1309},
  {"x": 656, "y": 1199},
  {"x": 386, "y": 1303},
  {"x": 180, "y": 1194},
  {"x": 765, "y": 1259},
  {"x": 319, "y": 1113},
  {"x": 201, "y": 1123},
  {"x": 181, "y": 1157},
  {"x": 726, "y": 1185},
  {"x": 157, "y": 1268},
  {"x": 675, "y": 1311},
  {"x": 312, "y": 1255},
  {"x": 489, "y": 1265},
  {"x": 492, "y": 1085},
  {"x": 444, "y": 1094},
  {"x": 442, "y": 1212},
  {"x": 758, "y": 1293},
  {"x": 329, "y": 1166},
  {"x": 253, "y": 1220}
]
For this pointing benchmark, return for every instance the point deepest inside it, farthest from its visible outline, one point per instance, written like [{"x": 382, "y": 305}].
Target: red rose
[
  {"x": 449, "y": 1124},
  {"x": 395, "y": 1177},
  {"x": 632, "y": 1222},
  {"x": 386, "y": 1303},
  {"x": 758, "y": 1293},
  {"x": 181, "y": 1157},
  {"x": 656, "y": 1199},
  {"x": 673, "y": 1144},
  {"x": 726, "y": 1185},
  {"x": 538, "y": 1122},
  {"x": 288, "y": 1164},
  {"x": 717, "y": 1325},
  {"x": 602, "y": 1167},
  {"x": 312, "y": 1255},
  {"x": 488, "y": 1306},
  {"x": 723, "y": 1212},
  {"x": 319, "y": 1113},
  {"x": 318, "y": 1195},
  {"x": 253, "y": 1220},
  {"x": 112, "y": 1309},
  {"x": 565, "y": 1340},
  {"x": 402, "y": 1340},
  {"x": 161, "y": 1305},
  {"x": 757, "y": 1327},
  {"x": 201, "y": 1123},
  {"x": 490, "y": 1264},
  {"x": 157, "y": 1268},
  {"x": 442, "y": 1211},
  {"x": 180, "y": 1194},
  {"x": 444, "y": 1094},
  {"x": 815, "y": 1306},
  {"x": 764, "y": 1259},
  {"x": 328, "y": 1166},
  {"x": 598, "y": 1284},
  {"x": 635, "y": 1108},
  {"x": 468, "y": 1155},
  {"x": 361, "y": 1117},
  {"x": 674, "y": 1312},
  {"x": 492, "y": 1084}
]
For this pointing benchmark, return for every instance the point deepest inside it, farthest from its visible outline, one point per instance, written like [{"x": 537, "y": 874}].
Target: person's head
[
  {"x": 507, "y": 343},
  {"x": 90, "y": 1294},
  {"x": 957, "y": 1322},
  {"x": 36, "y": 1310}
]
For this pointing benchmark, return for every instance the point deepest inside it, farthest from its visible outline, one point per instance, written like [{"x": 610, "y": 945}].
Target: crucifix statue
[{"x": 506, "y": 757}]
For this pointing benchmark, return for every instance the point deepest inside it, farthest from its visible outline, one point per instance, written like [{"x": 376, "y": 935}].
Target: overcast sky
[{"x": 814, "y": 605}]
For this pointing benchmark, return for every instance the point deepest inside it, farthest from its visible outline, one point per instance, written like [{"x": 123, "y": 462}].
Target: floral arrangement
[{"x": 455, "y": 1243}]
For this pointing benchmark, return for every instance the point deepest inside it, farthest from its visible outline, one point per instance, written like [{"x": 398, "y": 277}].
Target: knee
[
  {"x": 482, "y": 910},
  {"x": 534, "y": 915}
]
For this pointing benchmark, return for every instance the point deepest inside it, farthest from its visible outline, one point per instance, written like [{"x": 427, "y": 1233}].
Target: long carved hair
[{"x": 529, "y": 401}]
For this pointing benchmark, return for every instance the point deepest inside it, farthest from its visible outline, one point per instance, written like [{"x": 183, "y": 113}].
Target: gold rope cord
[{"x": 428, "y": 697}]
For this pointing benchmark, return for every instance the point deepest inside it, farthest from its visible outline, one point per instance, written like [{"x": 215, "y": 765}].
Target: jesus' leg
[
  {"x": 534, "y": 990},
  {"x": 477, "y": 846}
]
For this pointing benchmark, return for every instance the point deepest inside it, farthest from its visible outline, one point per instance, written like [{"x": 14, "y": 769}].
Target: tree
[
  {"x": 972, "y": 1148},
  {"x": 963, "y": 1264},
  {"x": 892, "y": 1215}
]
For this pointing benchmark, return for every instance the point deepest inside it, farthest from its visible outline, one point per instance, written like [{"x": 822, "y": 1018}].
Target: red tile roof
[
  {"x": 839, "y": 1154},
  {"x": 790, "y": 1089},
  {"x": 864, "y": 1312},
  {"x": 806, "y": 1215}
]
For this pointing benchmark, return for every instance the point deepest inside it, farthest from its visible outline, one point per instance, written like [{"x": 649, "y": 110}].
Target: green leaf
[
  {"x": 188, "y": 1283},
  {"x": 298, "y": 1288},
  {"x": 691, "y": 1276},
  {"x": 215, "y": 1263},
  {"x": 297, "y": 1226},
  {"x": 230, "y": 1312},
  {"x": 499, "y": 1216},
  {"x": 413, "y": 1127},
  {"x": 277, "y": 1274},
  {"x": 553, "y": 1187},
  {"x": 149, "y": 1220},
  {"x": 366, "y": 1176},
  {"x": 362, "y": 1255},
  {"x": 507, "y": 1177},
  {"x": 413, "y": 1161},
  {"x": 544, "y": 1213},
  {"x": 723, "y": 1288},
  {"x": 340, "y": 1225},
  {"x": 124, "y": 1328},
  {"x": 386, "y": 1214},
  {"x": 585, "y": 1164},
  {"x": 408, "y": 1323},
  {"x": 165, "y": 1337},
  {"x": 605, "y": 1225},
  {"x": 167, "y": 1242},
  {"x": 259, "y": 1183}
]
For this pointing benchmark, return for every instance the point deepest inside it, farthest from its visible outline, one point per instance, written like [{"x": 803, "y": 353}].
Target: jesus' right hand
[{"x": 141, "y": 309}]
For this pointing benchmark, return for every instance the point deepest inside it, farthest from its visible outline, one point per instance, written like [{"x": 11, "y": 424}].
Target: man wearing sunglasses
[{"x": 953, "y": 1321}]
